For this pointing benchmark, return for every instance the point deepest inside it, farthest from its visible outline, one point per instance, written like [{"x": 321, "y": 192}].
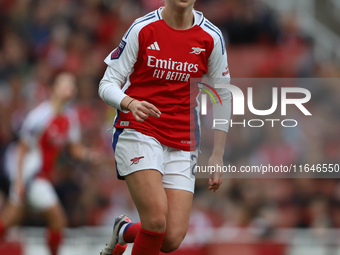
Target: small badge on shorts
[
  {"x": 135, "y": 160},
  {"x": 124, "y": 123}
]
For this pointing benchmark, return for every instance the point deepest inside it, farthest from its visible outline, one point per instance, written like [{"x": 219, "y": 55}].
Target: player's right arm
[
  {"x": 28, "y": 139},
  {"x": 111, "y": 93},
  {"x": 120, "y": 64},
  {"x": 19, "y": 184},
  {"x": 140, "y": 109}
]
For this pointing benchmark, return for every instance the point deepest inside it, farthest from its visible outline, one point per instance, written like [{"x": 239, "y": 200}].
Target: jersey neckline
[{"x": 198, "y": 19}]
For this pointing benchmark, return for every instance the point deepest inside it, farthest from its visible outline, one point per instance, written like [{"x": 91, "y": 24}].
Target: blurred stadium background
[{"x": 265, "y": 38}]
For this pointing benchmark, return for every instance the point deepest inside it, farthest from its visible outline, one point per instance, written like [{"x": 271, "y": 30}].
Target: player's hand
[
  {"x": 19, "y": 189},
  {"x": 216, "y": 178},
  {"x": 141, "y": 110},
  {"x": 95, "y": 158}
]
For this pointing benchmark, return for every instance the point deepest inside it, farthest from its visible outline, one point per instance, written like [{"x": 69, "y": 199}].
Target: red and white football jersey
[
  {"x": 46, "y": 133},
  {"x": 158, "y": 63}
]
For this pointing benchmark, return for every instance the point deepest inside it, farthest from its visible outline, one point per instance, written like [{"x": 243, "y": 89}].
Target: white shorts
[
  {"x": 135, "y": 151},
  {"x": 40, "y": 195}
]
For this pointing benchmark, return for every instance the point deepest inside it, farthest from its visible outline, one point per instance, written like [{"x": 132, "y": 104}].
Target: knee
[
  {"x": 154, "y": 219},
  {"x": 58, "y": 225},
  {"x": 172, "y": 243},
  {"x": 63, "y": 222},
  {"x": 156, "y": 223},
  {"x": 58, "y": 221}
]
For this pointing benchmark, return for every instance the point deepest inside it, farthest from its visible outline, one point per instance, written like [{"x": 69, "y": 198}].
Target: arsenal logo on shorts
[{"x": 136, "y": 160}]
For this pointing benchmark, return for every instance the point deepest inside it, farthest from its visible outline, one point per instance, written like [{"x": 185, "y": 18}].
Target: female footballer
[
  {"x": 148, "y": 81},
  {"x": 47, "y": 130}
]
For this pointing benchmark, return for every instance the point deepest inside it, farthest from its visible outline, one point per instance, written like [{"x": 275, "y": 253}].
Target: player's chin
[{"x": 185, "y": 3}]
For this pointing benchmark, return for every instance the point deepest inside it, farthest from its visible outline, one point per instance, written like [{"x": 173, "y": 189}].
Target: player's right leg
[
  {"x": 13, "y": 212},
  {"x": 139, "y": 159},
  {"x": 56, "y": 222},
  {"x": 149, "y": 196},
  {"x": 11, "y": 216}
]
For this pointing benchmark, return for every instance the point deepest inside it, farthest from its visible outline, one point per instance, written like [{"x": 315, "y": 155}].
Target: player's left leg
[
  {"x": 179, "y": 208},
  {"x": 56, "y": 222},
  {"x": 42, "y": 197},
  {"x": 179, "y": 183}
]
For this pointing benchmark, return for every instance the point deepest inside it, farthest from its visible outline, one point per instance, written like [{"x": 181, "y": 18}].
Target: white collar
[{"x": 198, "y": 16}]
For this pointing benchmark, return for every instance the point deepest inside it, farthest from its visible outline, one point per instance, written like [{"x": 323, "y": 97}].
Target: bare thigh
[
  {"x": 13, "y": 214},
  {"x": 149, "y": 196},
  {"x": 55, "y": 216}
]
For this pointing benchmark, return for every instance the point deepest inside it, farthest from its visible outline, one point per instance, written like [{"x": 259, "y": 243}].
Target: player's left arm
[
  {"x": 76, "y": 149},
  {"x": 215, "y": 180},
  {"x": 218, "y": 73},
  {"x": 83, "y": 153}
]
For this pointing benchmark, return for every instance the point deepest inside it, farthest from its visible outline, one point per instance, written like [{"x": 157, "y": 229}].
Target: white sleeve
[
  {"x": 30, "y": 129},
  {"x": 120, "y": 64},
  {"x": 218, "y": 73},
  {"x": 110, "y": 88}
]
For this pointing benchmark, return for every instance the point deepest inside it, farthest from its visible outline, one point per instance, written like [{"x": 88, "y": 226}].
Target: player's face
[
  {"x": 184, "y": 4},
  {"x": 65, "y": 87}
]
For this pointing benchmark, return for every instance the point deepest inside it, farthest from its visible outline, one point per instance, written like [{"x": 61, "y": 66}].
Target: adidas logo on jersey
[{"x": 154, "y": 46}]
